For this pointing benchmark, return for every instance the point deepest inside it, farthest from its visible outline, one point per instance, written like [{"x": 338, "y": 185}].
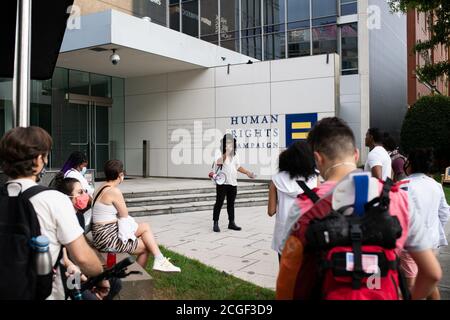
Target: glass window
[
  {"x": 190, "y": 18},
  {"x": 324, "y": 21},
  {"x": 299, "y": 43},
  {"x": 349, "y": 7},
  {"x": 274, "y": 46},
  {"x": 41, "y": 104},
  {"x": 252, "y": 46},
  {"x": 274, "y": 12},
  {"x": 174, "y": 15},
  {"x": 298, "y": 10},
  {"x": 229, "y": 15},
  {"x": 349, "y": 48},
  {"x": 209, "y": 21},
  {"x": 155, "y": 9},
  {"x": 299, "y": 25},
  {"x": 232, "y": 44},
  {"x": 324, "y": 8},
  {"x": 324, "y": 39},
  {"x": 79, "y": 82},
  {"x": 274, "y": 28},
  {"x": 229, "y": 24},
  {"x": 251, "y": 13},
  {"x": 6, "y": 120},
  {"x": 100, "y": 85}
]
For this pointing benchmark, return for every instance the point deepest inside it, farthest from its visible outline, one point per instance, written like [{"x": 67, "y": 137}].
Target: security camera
[{"x": 115, "y": 58}]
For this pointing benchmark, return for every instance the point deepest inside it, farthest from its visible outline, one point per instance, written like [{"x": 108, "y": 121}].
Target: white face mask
[{"x": 83, "y": 171}]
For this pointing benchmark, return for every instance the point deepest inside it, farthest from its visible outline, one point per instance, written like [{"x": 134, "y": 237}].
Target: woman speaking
[{"x": 229, "y": 165}]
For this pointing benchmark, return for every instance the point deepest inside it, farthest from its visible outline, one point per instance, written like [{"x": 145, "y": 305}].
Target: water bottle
[
  {"x": 43, "y": 260},
  {"x": 111, "y": 258}
]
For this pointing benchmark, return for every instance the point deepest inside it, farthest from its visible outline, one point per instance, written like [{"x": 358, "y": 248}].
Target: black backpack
[{"x": 18, "y": 225}]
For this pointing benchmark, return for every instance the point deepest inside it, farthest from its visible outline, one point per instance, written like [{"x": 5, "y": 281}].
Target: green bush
[{"x": 427, "y": 125}]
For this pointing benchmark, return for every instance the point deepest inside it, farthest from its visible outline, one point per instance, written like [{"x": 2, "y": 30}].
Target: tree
[
  {"x": 427, "y": 125},
  {"x": 439, "y": 26}
]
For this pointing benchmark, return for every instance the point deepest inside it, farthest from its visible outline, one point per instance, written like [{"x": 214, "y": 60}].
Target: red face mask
[{"x": 81, "y": 201}]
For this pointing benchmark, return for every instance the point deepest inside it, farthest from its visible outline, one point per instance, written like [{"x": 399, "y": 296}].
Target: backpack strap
[
  {"x": 361, "y": 193},
  {"x": 31, "y": 192},
  {"x": 384, "y": 197},
  {"x": 26, "y": 196},
  {"x": 356, "y": 238},
  {"x": 309, "y": 193}
]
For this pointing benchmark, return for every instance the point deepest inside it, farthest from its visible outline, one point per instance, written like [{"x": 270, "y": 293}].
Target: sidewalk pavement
[{"x": 246, "y": 254}]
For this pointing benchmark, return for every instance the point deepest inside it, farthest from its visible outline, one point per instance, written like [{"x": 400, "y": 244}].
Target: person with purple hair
[{"x": 75, "y": 167}]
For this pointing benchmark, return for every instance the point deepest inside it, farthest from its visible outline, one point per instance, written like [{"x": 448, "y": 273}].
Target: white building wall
[
  {"x": 350, "y": 105},
  {"x": 162, "y": 108}
]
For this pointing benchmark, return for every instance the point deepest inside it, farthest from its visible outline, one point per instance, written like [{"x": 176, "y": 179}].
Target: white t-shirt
[
  {"x": 229, "y": 168},
  {"x": 58, "y": 222},
  {"x": 75, "y": 174},
  {"x": 379, "y": 157},
  {"x": 287, "y": 191},
  {"x": 428, "y": 197}
]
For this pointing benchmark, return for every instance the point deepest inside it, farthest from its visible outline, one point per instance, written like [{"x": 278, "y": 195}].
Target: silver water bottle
[{"x": 43, "y": 260}]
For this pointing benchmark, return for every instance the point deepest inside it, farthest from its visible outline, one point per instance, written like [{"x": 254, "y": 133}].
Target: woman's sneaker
[{"x": 164, "y": 265}]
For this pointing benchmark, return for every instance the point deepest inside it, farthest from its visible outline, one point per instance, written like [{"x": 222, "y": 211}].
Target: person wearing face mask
[
  {"x": 23, "y": 157},
  {"x": 230, "y": 165},
  {"x": 106, "y": 289},
  {"x": 76, "y": 167},
  {"x": 114, "y": 230}
]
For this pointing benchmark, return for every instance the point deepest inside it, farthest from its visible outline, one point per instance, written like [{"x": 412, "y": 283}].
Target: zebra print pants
[{"x": 105, "y": 238}]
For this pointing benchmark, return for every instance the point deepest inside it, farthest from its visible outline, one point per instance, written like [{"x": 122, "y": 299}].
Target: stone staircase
[{"x": 188, "y": 200}]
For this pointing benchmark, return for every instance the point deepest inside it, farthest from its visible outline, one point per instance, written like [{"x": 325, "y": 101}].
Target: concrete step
[
  {"x": 191, "y": 206},
  {"x": 174, "y": 192},
  {"x": 186, "y": 198}
]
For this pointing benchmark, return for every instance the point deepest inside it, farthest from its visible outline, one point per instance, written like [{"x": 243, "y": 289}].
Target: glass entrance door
[{"x": 87, "y": 129}]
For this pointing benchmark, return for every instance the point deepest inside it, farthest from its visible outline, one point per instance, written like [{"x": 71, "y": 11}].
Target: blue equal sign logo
[{"x": 298, "y": 126}]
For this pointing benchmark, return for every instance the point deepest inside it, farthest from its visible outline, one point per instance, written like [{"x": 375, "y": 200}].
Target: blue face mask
[{"x": 83, "y": 171}]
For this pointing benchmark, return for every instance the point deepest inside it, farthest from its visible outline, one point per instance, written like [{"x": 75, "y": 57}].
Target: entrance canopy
[{"x": 144, "y": 47}]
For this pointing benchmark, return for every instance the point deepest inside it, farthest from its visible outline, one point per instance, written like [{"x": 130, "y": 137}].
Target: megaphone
[{"x": 218, "y": 178}]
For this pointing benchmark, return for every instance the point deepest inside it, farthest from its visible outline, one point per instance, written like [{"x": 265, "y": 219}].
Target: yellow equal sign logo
[
  {"x": 301, "y": 125},
  {"x": 299, "y": 135}
]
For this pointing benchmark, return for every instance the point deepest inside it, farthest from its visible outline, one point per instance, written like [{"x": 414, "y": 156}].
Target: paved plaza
[{"x": 246, "y": 254}]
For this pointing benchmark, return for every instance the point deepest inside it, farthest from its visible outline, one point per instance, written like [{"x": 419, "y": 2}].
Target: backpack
[
  {"x": 352, "y": 255},
  {"x": 18, "y": 225}
]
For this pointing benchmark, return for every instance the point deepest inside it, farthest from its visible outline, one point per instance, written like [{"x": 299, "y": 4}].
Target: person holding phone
[{"x": 230, "y": 166}]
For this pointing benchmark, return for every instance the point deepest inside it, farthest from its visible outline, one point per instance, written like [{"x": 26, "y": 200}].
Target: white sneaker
[{"x": 165, "y": 265}]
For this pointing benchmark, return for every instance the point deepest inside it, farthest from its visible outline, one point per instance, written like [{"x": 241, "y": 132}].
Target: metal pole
[
  {"x": 146, "y": 158},
  {"x": 22, "y": 62}
]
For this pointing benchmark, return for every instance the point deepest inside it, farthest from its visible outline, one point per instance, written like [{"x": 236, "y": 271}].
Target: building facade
[
  {"x": 264, "y": 70},
  {"x": 418, "y": 31}
]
